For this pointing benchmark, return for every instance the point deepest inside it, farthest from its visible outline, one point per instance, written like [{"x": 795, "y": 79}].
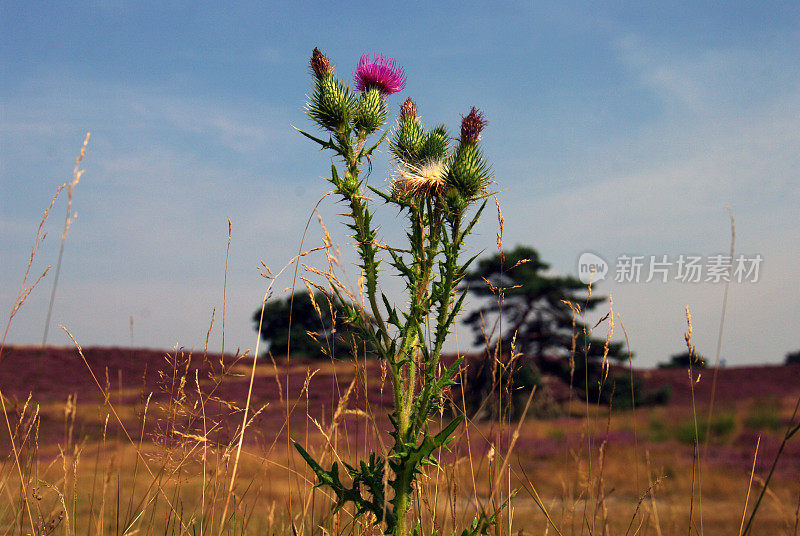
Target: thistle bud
[
  {"x": 320, "y": 64},
  {"x": 435, "y": 145},
  {"x": 407, "y": 142},
  {"x": 371, "y": 112},
  {"x": 471, "y": 126},
  {"x": 469, "y": 173},
  {"x": 408, "y": 110},
  {"x": 350, "y": 185},
  {"x": 456, "y": 204},
  {"x": 330, "y": 104}
]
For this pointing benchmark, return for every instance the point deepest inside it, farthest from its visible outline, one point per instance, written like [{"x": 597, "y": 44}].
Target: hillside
[{"x": 53, "y": 373}]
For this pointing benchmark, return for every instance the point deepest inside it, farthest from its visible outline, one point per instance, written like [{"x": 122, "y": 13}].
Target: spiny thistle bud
[
  {"x": 408, "y": 139},
  {"x": 408, "y": 110},
  {"x": 350, "y": 185},
  {"x": 320, "y": 64},
  {"x": 469, "y": 173},
  {"x": 330, "y": 104},
  {"x": 471, "y": 126},
  {"x": 371, "y": 112},
  {"x": 435, "y": 146},
  {"x": 456, "y": 204}
]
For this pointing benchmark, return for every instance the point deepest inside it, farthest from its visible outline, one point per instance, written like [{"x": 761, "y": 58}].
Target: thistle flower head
[
  {"x": 408, "y": 110},
  {"x": 379, "y": 72},
  {"x": 320, "y": 64},
  {"x": 427, "y": 178},
  {"x": 471, "y": 126}
]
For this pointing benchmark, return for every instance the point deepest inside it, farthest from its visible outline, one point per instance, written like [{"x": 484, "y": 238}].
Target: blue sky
[{"x": 616, "y": 128}]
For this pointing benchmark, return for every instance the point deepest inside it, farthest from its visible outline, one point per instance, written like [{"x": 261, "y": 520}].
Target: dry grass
[
  {"x": 199, "y": 444},
  {"x": 173, "y": 473}
]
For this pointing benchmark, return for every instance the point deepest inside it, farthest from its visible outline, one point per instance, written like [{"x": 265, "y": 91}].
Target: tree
[
  {"x": 792, "y": 358},
  {"x": 684, "y": 360},
  {"x": 316, "y": 332},
  {"x": 521, "y": 303},
  {"x": 534, "y": 312}
]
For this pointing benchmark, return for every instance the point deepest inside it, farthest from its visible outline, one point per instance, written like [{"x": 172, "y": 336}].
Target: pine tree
[{"x": 521, "y": 303}]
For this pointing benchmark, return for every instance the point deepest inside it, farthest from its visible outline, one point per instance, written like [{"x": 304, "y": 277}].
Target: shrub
[
  {"x": 764, "y": 415},
  {"x": 683, "y": 360},
  {"x": 792, "y": 358},
  {"x": 618, "y": 390},
  {"x": 722, "y": 428}
]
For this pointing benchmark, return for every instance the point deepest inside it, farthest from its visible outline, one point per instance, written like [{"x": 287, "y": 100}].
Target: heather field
[{"x": 124, "y": 441}]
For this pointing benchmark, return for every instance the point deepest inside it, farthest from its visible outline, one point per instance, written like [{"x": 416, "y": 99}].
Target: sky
[{"x": 627, "y": 130}]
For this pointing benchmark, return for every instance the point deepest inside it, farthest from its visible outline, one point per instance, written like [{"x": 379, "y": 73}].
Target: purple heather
[
  {"x": 471, "y": 126},
  {"x": 379, "y": 72}
]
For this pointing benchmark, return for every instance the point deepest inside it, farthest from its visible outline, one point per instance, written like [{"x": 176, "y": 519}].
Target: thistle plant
[{"x": 437, "y": 182}]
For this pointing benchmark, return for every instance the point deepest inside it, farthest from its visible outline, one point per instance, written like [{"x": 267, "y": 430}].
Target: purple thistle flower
[{"x": 379, "y": 72}]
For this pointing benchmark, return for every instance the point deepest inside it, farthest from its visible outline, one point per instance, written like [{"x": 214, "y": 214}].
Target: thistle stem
[{"x": 434, "y": 212}]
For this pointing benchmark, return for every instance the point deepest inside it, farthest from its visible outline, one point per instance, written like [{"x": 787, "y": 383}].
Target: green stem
[
  {"x": 408, "y": 403},
  {"x": 448, "y": 289},
  {"x": 442, "y": 316},
  {"x": 402, "y": 501},
  {"x": 425, "y": 216},
  {"x": 367, "y": 252}
]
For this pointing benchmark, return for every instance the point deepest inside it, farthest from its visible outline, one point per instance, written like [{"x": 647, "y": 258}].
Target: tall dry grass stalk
[
  {"x": 718, "y": 351},
  {"x": 696, "y": 476},
  {"x": 70, "y": 217}
]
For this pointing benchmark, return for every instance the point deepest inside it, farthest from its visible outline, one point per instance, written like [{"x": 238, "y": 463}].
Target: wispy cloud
[{"x": 713, "y": 79}]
